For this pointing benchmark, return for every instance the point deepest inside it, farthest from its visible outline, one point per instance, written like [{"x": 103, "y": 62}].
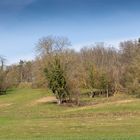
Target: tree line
[{"x": 100, "y": 68}]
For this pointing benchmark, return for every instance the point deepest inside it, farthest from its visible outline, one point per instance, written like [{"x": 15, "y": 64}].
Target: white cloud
[
  {"x": 16, "y": 59},
  {"x": 114, "y": 42}
]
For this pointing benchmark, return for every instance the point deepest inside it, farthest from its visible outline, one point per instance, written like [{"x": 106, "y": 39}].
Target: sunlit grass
[{"x": 107, "y": 120}]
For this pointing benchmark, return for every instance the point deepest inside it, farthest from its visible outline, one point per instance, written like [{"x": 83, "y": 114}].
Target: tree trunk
[
  {"x": 58, "y": 102},
  {"x": 107, "y": 92}
]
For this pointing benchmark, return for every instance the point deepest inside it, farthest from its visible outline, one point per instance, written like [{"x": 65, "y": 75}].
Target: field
[{"x": 31, "y": 114}]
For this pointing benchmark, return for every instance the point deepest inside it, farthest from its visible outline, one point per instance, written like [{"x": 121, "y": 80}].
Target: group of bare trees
[
  {"x": 97, "y": 66},
  {"x": 130, "y": 60},
  {"x": 3, "y": 80}
]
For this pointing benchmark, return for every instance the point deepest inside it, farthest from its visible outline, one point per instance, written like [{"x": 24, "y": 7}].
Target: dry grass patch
[
  {"x": 5, "y": 105},
  {"x": 44, "y": 100},
  {"x": 101, "y": 105}
]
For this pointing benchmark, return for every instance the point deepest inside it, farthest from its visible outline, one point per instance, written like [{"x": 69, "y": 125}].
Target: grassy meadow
[{"x": 31, "y": 114}]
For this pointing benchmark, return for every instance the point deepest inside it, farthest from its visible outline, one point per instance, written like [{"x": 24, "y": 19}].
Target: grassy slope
[{"x": 21, "y": 118}]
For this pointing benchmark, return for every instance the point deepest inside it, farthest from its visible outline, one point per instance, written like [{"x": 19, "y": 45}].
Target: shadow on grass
[{"x": 6, "y": 92}]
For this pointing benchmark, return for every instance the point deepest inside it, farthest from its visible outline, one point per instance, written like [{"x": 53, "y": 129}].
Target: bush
[{"x": 25, "y": 85}]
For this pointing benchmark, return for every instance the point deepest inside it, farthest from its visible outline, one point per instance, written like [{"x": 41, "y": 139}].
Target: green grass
[{"x": 108, "y": 119}]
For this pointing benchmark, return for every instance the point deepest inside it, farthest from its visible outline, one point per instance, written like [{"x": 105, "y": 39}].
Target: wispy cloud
[
  {"x": 16, "y": 2},
  {"x": 7, "y": 6}
]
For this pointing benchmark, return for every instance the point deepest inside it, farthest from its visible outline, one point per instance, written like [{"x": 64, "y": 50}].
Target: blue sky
[{"x": 23, "y": 22}]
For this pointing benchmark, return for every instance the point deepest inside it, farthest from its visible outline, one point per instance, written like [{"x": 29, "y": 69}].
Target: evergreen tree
[
  {"x": 56, "y": 80},
  {"x": 103, "y": 81}
]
